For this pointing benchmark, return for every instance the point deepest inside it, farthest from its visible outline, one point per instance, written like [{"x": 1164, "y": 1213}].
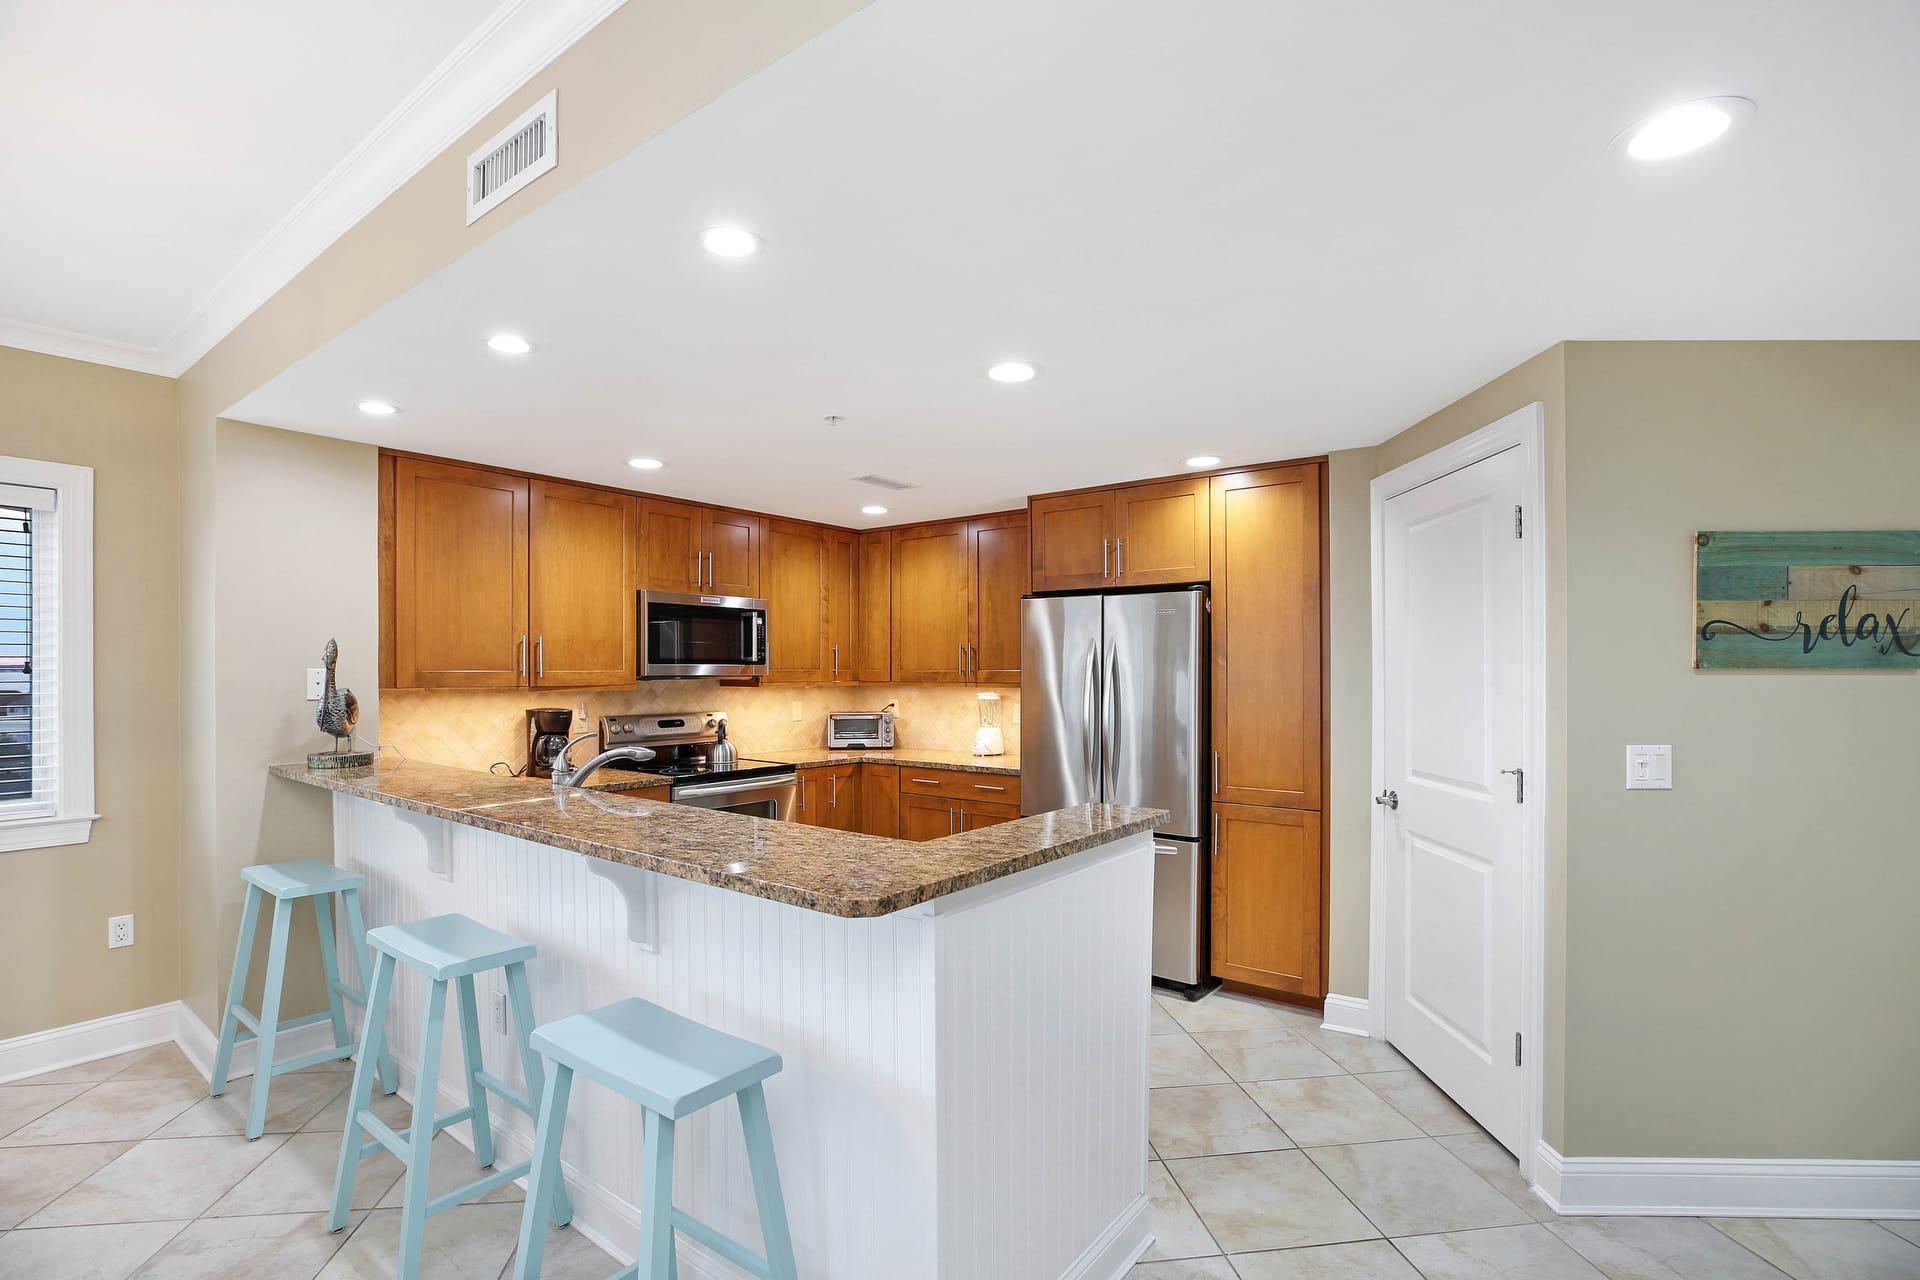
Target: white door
[{"x": 1452, "y": 649}]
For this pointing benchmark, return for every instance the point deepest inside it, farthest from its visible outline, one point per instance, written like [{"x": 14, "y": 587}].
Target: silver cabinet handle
[
  {"x": 981, "y": 786},
  {"x": 709, "y": 568},
  {"x": 973, "y": 663},
  {"x": 836, "y": 662},
  {"x": 932, "y": 782},
  {"x": 950, "y": 826},
  {"x": 960, "y": 660},
  {"x": 1106, "y": 552},
  {"x": 963, "y": 818},
  {"x": 1216, "y": 773},
  {"x": 1216, "y": 833},
  {"x": 1119, "y": 559},
  {"x": 523, "y": 657},
  {"x": 540, "y": 648},
  {"x": 696, "y": 569}
]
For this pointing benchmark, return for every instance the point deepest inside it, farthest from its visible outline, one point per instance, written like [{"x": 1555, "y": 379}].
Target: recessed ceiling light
[
  {"x": 1012, "y": 371},
  {"x": 730, "y": 242},
  {"x": 645, "y": 464},
  {"x": 873, "y": 511},
  {"x": 509, "y": 344},
  {"x": 1203, "y": 460},
  {"x": 1686, "y": 127},
  {"x": 377, "y": 408}
]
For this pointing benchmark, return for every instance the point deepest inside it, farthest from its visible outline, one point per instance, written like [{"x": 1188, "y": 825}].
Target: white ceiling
[
  {"x": 1246, "y": 227},
  {"x": 169, "y": 166}
]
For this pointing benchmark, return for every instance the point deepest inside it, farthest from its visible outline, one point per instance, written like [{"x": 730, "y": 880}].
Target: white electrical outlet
[
  {"x": 500, "y": 1012},
  {"x": 119, "y": 931},
  {"x": 797, "y": 712},
  {"x": 316, "y": 683}
]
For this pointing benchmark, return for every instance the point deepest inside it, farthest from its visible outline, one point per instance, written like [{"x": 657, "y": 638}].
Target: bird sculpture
[{"x": 339, "y": 710}]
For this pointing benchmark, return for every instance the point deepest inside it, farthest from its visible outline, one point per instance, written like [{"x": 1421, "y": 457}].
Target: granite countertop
[
  {"x": 918, "y": 757},
  {"x": 834, "y": 872}
]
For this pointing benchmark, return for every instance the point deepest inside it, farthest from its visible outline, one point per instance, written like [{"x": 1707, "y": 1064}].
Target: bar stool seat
[
  {"x": 450, "y": 946},
  {"x": 672, "y": 1066},
  {"x": 286, "y": 883}
]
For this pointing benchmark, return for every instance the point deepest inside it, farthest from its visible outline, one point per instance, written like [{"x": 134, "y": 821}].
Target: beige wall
[{"x": 54, "y": 903}]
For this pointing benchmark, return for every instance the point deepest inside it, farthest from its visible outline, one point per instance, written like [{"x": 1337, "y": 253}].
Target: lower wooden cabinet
[
  {"x": 1269, "y": 899},
  {"x": 879, "y": 799},
  {"x": 927, "y": 817},
  {"x": 945, "y": 802}
]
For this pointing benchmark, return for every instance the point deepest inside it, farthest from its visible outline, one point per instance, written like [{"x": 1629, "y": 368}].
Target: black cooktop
[{"x": 700, "y": 770}]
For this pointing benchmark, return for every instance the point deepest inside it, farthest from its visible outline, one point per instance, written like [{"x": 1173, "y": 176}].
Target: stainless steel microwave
[{"x": 686, "y": 635}]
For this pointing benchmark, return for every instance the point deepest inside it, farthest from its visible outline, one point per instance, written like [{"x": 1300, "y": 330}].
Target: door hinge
[
  {"x": 1518, "y": 524},
  {"x": 1519, "y": 784},
  {"x": 1516, "y": 1048}
]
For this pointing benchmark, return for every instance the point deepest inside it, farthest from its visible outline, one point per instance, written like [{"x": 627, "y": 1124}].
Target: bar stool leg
[
  {"x": 482, "y": 1124},
  {"x": 373, "y": 1047},
  {"x": 426, "y": 1088},
  {"x": 330, "y": 969},
  {"x": 521, "y": 999},
  {"x": 766, "y": 1184},
  {"x": 236, "y": 992},
  {"x": 656, "y": 1201},
  {"x": 545, "y": 1174},
  {"x": 363, "y": 977},
  {"x": 269, "y": 1017}
]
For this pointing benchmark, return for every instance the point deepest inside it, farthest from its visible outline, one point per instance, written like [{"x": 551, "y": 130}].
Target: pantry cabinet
[{"x": 1129, "y": 536}]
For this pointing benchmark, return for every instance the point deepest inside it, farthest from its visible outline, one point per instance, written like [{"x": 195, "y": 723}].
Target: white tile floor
[
  {"x": 1280, "y": 1152},
  {"x": 1284, "y": 1152}
]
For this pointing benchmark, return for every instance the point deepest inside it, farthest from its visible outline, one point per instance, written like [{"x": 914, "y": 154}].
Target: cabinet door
[
  {"x": 581, "y": 549},
  {"x": 793, "y": 569},
  {"x": 932, "y": 588},
  {"x": 928, "y": 817},
  {"x": 1268, "y": 891},
  {"x": 975, "y": 814},
  {"x": 879, "y": 799},
  {"x": 732, "y": 544},
  {"x": 999, "y": 580},
  {"x": 670, "y": 545},
  {"x": 1072, "y": 540},
  {"x": 873, "y": 625},
  {"x": 836, "y": 798},
  {"x": 843, "y": 582},
  {"x": 459, "y": 577},
  {"x": 1161, "y": 532},
  {"x": 1266, "y": 637}
]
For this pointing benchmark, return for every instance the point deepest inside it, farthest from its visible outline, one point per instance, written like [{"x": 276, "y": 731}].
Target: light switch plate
[
  {"x": 316, "y": 683},
  {"x": 1650, "y": 768}
]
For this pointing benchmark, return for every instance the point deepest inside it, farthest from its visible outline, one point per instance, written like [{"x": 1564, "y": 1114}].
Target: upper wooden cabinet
[
  {"x": 1266, "y": 636},
  {"x": 1269, "y": 898},
  {"x": 793, "y": 570},
  {"x": 459, "y": 577},
  {"x": 843, "y": 589},
  {"x": 956, "y": 601},
  {"x": 1131, "y": 536},
  {"x": 873, "y": 610},
  {"x": 582, "y": 553},
  {"x": 688, "y": 547}
]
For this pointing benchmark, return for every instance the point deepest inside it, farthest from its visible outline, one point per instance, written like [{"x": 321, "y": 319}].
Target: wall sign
[{"x": 1807, "y": 601}]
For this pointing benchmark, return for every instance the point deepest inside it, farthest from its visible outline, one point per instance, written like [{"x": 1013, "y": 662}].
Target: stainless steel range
[{"x": 691, "y": 748}]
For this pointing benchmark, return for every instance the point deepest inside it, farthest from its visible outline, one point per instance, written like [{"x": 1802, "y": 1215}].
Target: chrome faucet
[{"x": 565, "y": 775}]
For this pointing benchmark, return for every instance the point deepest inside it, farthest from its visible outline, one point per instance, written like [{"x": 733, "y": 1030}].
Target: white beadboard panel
[
  {"x": 964, "y": 1088},
  {"x": 1042, "y": 1067}
]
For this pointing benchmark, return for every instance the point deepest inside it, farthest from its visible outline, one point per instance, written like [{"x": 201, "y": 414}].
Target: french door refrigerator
[{"x": 1113, "y": 709}]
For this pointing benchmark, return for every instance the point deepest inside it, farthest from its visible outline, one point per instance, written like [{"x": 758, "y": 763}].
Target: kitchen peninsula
[{"x": 962, "y": 1019}]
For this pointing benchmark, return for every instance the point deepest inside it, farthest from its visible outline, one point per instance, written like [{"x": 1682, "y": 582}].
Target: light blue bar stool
[
  {"x": 446, "y": 949},
  {"x": 673, "y": 1067},
  {"x": 287, "y": 883}
]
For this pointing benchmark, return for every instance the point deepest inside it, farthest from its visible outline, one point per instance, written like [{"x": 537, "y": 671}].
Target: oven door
[
  {"x": 769, "y": 797},
  {"x": 685, "y": 636}
]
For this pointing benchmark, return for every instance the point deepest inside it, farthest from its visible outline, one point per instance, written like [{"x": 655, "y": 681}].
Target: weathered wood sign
[{"x": 1808, "y": 601}]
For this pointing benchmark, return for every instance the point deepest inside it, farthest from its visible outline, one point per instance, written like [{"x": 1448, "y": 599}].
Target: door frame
[{"x": 1525, "y": 429}]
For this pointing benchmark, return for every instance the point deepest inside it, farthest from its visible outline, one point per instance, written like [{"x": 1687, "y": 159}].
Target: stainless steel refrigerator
[{"x": 1113, "y": 709}]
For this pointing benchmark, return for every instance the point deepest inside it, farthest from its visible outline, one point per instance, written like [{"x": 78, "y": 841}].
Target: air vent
[
  {"x": 882, "y": 482},
  {"x": 512, "y": 158}
]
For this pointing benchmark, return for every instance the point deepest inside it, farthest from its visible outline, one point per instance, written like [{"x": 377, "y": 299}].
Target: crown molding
[{"x": 513, "y": 44}]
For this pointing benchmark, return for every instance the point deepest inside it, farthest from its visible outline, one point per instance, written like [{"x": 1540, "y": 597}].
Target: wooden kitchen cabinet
[
  {"x": 1269, "y": 898},
  {"x": 832, "y": 796},
  {"x": 975, "y": 814},
  {"x": 459, "y": 577},
  {"x": 879, "y": 799},
  {"x": 961, "y": 784},
  {"x": 688, "y": 547},
  {"x": 793, "y": 570},
  {"x": 582, "y": 547},
  {"x": 927, "y": 817},
  {"x": 873, "y": 609},
  {"x": 842, "y": 595},
  {"x": 1129, "y": 536},
  {"x": 732, "y": 544},
  {"x": 1267, "y": 619},
  {"x": 999, "y": 572},
  {"x": 932, "y": 584}
]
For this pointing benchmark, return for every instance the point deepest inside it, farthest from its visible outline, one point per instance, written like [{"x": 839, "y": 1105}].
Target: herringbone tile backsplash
[{"x": 475, "y": 728}]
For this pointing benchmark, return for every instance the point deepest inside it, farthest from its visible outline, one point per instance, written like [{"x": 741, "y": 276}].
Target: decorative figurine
[{"x": 337, "y": 713}]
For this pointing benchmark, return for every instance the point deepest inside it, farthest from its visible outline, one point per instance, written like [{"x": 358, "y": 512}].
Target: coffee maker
[{"x": 548, "y": 729}]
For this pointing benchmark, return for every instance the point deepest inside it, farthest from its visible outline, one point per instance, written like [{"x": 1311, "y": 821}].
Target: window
[{"x": 46, "y": 654}]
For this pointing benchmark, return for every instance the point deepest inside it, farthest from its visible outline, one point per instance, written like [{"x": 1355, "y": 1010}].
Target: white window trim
[{"x": 73, "y": 818}]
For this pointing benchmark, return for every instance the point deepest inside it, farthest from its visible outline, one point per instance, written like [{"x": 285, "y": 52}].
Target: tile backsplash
[{"x": 474, "y": 728}]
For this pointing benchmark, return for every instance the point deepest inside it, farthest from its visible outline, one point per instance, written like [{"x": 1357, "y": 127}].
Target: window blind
[{"x": 29, "y": 653}]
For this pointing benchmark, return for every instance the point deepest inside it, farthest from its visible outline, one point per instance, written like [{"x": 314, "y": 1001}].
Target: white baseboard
[
  {"x": 1346, "y": 1014},
  {"x": 30, "y": 1055},
  {"x": 1728, "y": 1188},
  {"x": 1112, "y": 1256}
]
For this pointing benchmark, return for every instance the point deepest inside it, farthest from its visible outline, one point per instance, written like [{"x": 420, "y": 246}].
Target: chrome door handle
[
  {"x": 523, "y": 657},
  {"x": 696, "y": 569},
  {"x": 1391, "y": 799},
  {"x": 1216, "y": 773},
  {"x": 833, "y": 800},
  {"x": 1111, "y": 699},
  {"x": 1216, "y": 833},
  {"x": 981, "y": 786},
  {"x": 973, "y": 662},
  {"x": 1119, "y": 560},
  {"x": 1106, "y": 549},
  {"x": 836, "y": 662},
  {"x": 709, "y": 568},
  {"x": 960, "y": 660},
  {"x": 540, "y": 649},
  {"x": 1090, "y": 706}
]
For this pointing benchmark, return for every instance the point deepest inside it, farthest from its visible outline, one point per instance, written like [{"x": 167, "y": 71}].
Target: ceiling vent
[
  {"x": 882, "y": 482},
  {"x": 512, "y": 158}
]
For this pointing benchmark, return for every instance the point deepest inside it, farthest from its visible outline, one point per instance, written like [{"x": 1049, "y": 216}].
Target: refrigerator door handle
[
  {"x": 1109, "y": 724},
  {"x": 1086, "y": 732}
]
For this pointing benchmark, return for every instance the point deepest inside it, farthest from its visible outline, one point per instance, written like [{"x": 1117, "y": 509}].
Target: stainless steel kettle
[{"x": 720, "y": 754}]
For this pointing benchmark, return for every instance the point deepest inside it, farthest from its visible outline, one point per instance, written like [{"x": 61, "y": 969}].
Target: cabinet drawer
[{"x": 998, "y": 788}]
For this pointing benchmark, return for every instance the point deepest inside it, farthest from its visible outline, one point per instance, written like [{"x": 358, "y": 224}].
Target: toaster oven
[{"x": 850, "y": 729}]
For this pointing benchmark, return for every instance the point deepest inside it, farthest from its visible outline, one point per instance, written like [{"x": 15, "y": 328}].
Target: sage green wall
[{"x": 1741, "y": 950}]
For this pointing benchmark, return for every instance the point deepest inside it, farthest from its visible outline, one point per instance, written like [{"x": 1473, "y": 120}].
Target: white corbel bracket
[
  {"x": 438, "y": 835},
  {"x": 641, "y": 889}
]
